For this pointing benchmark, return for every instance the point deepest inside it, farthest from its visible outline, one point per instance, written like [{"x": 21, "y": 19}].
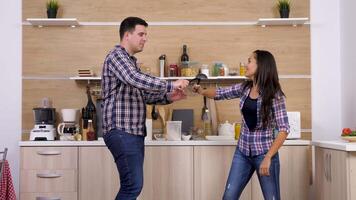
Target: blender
[{"x": 44, "y": 124}]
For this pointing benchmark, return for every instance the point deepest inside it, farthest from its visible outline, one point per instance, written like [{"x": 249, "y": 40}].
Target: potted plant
[
  {"x": 284, "y": 8},
  {"x": 52, "y": 8}
]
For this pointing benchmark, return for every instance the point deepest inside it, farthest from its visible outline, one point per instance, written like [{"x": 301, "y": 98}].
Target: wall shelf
[
  {"x": 98, "y": 78},
  {"x": 282, "y": 21},
  {"x": 260, "y": 22},
  {"x": 40, "y": 22}
]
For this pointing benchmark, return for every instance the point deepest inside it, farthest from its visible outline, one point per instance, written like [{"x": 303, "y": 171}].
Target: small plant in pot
[
  {"x": 52, "y": 8},
  {"x": 284, "y": 8}
]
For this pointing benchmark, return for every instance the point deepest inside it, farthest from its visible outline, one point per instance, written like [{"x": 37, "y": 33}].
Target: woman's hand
[
  {"x": 265, "y": 165},
  {"x": 197, "y": 89}
]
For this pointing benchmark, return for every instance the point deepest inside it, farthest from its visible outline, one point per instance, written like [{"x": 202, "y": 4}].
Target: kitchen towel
[{"x": 7, "y": 191}]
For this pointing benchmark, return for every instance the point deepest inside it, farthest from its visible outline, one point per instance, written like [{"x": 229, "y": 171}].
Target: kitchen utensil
[
  {"x": 214, "y": 120},
  {"x": 162, "y": 114},
  {"x": 205, "y": 111},
  {"x": 169, "y": 118},
  {"x": 198, "y": 78},
  {"x": 154, "y": 113}
]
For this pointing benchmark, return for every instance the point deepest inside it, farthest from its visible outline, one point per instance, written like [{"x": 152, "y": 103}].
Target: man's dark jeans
[{"x": 128, "y": 151}]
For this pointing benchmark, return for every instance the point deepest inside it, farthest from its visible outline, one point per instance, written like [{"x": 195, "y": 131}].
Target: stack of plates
[{"x": 85, "y": 73}]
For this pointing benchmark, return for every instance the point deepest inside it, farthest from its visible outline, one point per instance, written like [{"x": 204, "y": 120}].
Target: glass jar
[
  {"x": 205, "y": 70},
  {"x": 173, "y": 70}
]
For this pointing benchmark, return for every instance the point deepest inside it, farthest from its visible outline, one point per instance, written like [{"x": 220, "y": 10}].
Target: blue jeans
[
  {"x": 128, "y": 151},
  {"x": 242, "y": 169}
]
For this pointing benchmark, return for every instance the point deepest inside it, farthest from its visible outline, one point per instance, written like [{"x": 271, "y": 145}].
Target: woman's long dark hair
[{"x": 266, "y": 78}]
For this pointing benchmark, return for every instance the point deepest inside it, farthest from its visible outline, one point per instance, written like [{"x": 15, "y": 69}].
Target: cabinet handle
[
  {"x": 48, "y": 198},
  {"x": 49, "y": 175},
  {"x": 326, "y": 166},
  {"x": 330, "y": 167},
  {"x": 48, "y": 153}
]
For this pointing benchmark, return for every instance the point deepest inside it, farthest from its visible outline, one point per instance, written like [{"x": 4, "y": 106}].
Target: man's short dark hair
[{"x": 129, "y": 24}]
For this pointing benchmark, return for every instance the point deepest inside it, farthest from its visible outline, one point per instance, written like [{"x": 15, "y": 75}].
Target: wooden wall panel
[
  {"x": 69, "y": 94},
  {"x": 165, "y": 10},
  {"x": 61, "y": 51},
  {"x": 63, "y": 93}
]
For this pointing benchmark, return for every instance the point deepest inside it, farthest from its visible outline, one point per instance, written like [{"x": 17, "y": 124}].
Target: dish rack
[{"x": 2, "y": 161}]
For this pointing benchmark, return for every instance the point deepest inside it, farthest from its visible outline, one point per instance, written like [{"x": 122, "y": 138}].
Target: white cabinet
[
  {"x": 48, "y": 173},
  {"x": 211, "y": 169},
  {"x": 168, "y": 173},
  {"x": 332, "y": 174},
  {"x": 182, "y": 172},
  {"x": 295, "y": 174},
  {"x": 98, "y": 176}
]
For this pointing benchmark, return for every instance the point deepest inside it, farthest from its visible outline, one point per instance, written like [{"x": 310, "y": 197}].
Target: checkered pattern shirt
[
  {"x": 126, "y": 91},
  {"x": 259, "y": 140}
]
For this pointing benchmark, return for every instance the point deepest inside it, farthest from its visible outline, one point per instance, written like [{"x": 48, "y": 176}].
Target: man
[{"x": 126, "y": 91}]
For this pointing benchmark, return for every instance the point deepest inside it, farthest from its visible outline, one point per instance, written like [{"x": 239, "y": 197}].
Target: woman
[{"x": 262, "y": 104}]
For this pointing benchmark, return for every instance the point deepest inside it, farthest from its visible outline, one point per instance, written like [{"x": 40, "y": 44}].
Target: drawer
[
  {"x": 48, "y": 181},
  {"x": 49, "y": 157},
  {"x": 49, "y": 196}
]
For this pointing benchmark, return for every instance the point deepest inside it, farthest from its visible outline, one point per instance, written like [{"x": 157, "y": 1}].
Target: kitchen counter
[
  {"x": 153, "y": 143},
  {"x": 336, "y": 144}
]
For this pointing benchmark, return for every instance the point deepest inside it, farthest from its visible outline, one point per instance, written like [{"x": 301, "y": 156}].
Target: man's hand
[
  {"x": 176, "y": 95},
  {"x": 180, "y": 84}
]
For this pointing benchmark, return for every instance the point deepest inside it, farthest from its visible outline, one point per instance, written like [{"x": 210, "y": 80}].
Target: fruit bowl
[{"x": 349, "y": 138}]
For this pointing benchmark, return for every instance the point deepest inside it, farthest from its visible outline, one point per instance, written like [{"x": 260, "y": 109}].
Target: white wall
[
  {"x": 348, "y": 62},
  {"x": 10, "y": 83},
  {"x": 326, "y": 72}
]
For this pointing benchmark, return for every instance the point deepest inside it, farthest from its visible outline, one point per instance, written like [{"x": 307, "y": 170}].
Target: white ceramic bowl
[
  {"x": 159, "y": 137},
  {"x": 186, "y": 137}
]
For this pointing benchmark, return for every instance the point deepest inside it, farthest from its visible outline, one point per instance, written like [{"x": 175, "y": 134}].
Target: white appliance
[
  {"x": 294, "y": 123},
  {"x": 69, "y": 127},
  {"x": 43, "y": 132}
]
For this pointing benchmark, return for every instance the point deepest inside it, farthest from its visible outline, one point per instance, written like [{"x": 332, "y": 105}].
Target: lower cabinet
[
  {"x": 170, "y": 173},
  {"x": 335, "y": 174},
  {"x": 211, "y": 169},
  {"x": 295, "y": 174}
]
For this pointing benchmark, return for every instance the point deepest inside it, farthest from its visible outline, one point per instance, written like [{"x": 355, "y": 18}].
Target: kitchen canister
[
  {"x": 174, "y": 130},
  {"x": 148, "y": 129}
]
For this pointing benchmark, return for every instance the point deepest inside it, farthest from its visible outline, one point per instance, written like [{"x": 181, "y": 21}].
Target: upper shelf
[
  {"x": 262, "y": 21},
  {"x": 282, "y": 21},
  {"x": 295, "y": 76},
  {"x": 97, "y": 78},
  {"x": 53, "y": 22}
]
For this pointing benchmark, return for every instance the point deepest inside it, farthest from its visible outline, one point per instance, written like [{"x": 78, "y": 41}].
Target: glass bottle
[
  {"x": 90, "y": 132},
  {"x": 184, "y": 57},
  {"x": 90, "y": 107},
  {"x": 242, "y": 69}
]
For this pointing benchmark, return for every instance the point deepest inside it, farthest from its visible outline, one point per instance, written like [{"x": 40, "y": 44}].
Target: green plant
[
  {"x": 52, "y": 4},
  {"x": 283, "y": 5}
]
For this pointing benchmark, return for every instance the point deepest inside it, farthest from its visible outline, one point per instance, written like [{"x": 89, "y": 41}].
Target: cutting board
[{"x": 184, "y": 115}]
